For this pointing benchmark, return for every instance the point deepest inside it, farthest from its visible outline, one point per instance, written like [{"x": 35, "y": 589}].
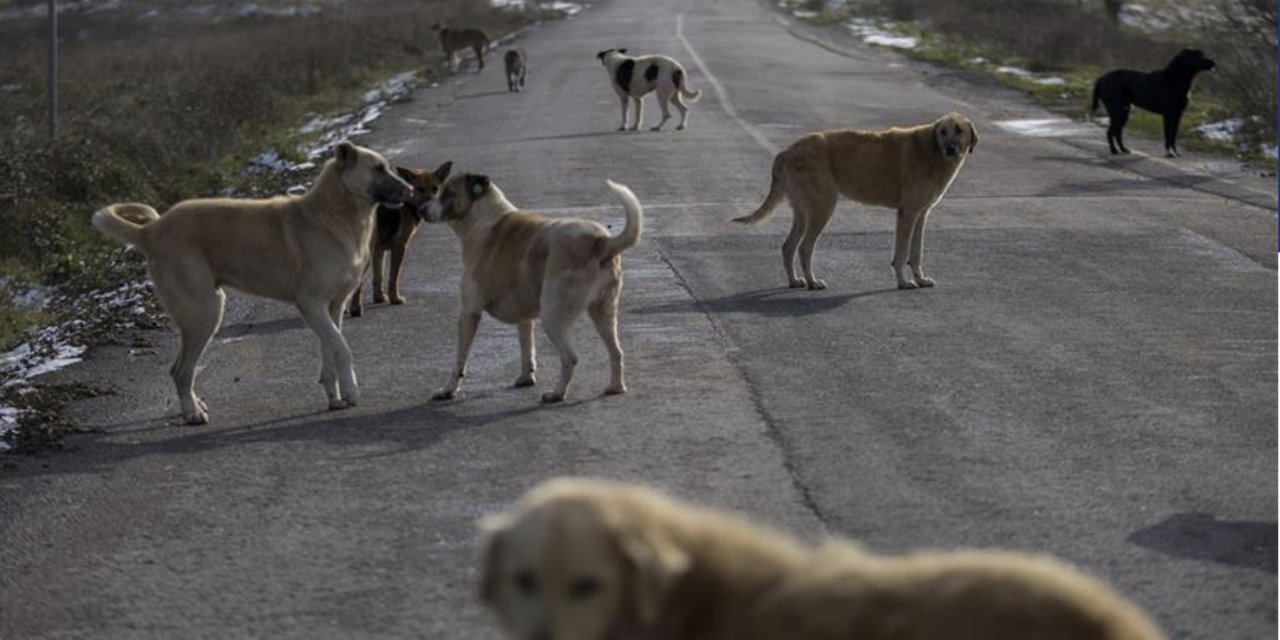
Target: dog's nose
[{"x": 950, "y": 151}]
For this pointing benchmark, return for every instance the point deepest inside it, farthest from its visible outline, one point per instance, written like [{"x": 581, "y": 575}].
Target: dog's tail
[
  {"x": 125, "y": 222},
  {"x": 1093, "y": 107},
  {"x": 677, "y": 77},
  {"x": 776, "y": 188},
  {"x": 635, "y": 223}
]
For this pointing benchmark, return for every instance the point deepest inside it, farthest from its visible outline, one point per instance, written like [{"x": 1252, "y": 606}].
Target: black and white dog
[
  {"x": 634, "y": 77},
  {"x": 1163, "y": 92}
]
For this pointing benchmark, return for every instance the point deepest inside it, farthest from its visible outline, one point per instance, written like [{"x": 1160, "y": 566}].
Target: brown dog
[
  {"x": 523, "y": 268},
  {"x": 904, "y": 169},
  {"x": 454, "y": 41},
  {"x": 309, "y": 250},
  {"x": 394, "y": 229},
  {"x": 596, "y": 560}
]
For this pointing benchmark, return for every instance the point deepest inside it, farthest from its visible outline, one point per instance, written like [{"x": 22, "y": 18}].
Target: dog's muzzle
[{"x": 951, "y": 150}]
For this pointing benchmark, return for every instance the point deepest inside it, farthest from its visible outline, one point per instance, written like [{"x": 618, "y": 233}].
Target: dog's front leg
[
  {"x": 468, "y": 322},
  {"x": 902, "y": 246},
  {"x": 1171, "y": 121},
  {"x": 397, "y": 263},
  {"x": 379, "y": 273},
  {"x": 916, "y": 259},
  {"x": 626, "y": 101},
  {"x": 528, "y": 359},
  {"x": 337, "y": 371},
  {"x": 639, "y": 104}
]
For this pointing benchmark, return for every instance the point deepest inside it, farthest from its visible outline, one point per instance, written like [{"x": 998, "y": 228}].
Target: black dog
[{"x": 1163, "y": 92}]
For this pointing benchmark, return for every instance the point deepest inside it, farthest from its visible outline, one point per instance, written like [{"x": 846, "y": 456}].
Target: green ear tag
[{"x": 477, "y": 189}]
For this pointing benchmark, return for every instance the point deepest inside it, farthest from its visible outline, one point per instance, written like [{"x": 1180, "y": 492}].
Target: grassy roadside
[
  {"x": 1057, "y": 73},
  {"x": 158, "y": 113}
]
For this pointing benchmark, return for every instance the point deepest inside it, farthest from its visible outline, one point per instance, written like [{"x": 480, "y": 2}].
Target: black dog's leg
[
  {"x": 1115, "y": 130},
  {"x": 1171, "y": 121}
]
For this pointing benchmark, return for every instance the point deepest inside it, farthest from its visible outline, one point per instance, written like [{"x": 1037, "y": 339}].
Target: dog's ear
[
  {"x": 933, "y": 136},
  {"x": 973, "y": 136},
  {"x": 442, "y": 172},
  {"x": 492, "y": 531},
  {"x": 600, "y": 56},
  {"x": 346, "y": 153},
  {"x": 477, "y": 185},
  {"x": 406, "y": 174},
  {"x": 622, "y": 50},
  {"x": 654, "y": 567}
]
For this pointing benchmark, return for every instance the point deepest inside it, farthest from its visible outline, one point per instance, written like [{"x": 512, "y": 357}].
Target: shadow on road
[
  {"x": 770, "y": 303},
  {"x": 270, "y": 327},
  {"x": 1200, "y": 536},
  {"x": 571, "y": 136}
]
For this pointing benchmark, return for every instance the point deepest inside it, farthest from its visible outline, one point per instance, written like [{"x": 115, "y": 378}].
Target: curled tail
[
  {"x": 635, "y": 223},
  {"x": 677, "y": 77},
  {"x": 770, "y": 201},
  {"x": 125, "y": 222}
]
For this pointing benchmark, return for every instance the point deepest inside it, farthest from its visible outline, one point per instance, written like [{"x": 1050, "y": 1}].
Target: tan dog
[
  {"x": 597, "y": 560},
  {"x": 394, "y": 228},
  {"x": 309, "y": 250},
  {"x": 522, "y": 268},
  {"x": 633, "y": 78},
  {"x": 904, "y": 169},
  {"x": 455, "y": 40}
]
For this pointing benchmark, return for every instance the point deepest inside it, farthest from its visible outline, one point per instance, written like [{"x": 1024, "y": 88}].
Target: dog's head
[
  {"x": 954, "y": 135},
  {"x": 603, "y": 56},
  {"x": 366, "y": 175},
  {"x": 426, "y": 185},
  {"x": 1190, "y": 61},
  {"x": 456, "y": 197},
  {"x": 577, "y": 560}
]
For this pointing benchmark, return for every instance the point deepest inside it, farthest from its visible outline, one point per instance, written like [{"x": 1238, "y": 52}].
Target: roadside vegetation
[
  {"x": 160, "y": 102},
  {"x": 1054, "y": 50}
]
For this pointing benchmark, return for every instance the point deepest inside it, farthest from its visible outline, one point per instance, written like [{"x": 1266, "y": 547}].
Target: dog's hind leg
[
  {"x": 195, "y": 304},
  {"x": 379, "y": 272},
  {"x": 819, "y": 205},
  {"x": 468, "y": 322},
  {"x": 1117, "y": 117},
  {"x": 683, "y": 108},
  {"x": 560, "y": 307},
  {"x": 916, "y": 257},
  {"x": 604, "y": 314},
  {"x": 789, "y": 247},
  {"x": 664, "y": 97},
  {"x": 337, "y": 369},
  {"x": 393, "y": 287},
  {"x": 528, "y": 357}
]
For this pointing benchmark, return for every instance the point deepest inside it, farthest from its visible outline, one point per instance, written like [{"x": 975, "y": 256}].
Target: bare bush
[{"x": 1244, "y": 45}]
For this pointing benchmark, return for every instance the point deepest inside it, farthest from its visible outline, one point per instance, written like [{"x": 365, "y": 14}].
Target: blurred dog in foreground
[
  {"x": 596, "y": 560},
  {"x": 309, "y": 250}
]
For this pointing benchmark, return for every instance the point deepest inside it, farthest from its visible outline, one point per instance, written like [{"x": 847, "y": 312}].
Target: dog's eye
[
  {"x": 526, "y": 583},
  {"x": 583, "y": 588}
]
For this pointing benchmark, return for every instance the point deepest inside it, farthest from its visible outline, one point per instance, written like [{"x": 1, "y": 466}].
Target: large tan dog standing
[
  {"x": 908, "y": 170},
  {"x": 523, "y": 268},
  {"x": 596, "y": 560},
  {"x": 309, "y": 250}
]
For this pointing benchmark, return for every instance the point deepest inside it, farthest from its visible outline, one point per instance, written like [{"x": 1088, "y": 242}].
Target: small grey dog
[{"x": 517, "y": 69}]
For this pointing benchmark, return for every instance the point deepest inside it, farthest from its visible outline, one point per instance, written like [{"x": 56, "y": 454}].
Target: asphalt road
[{"x": 1094, "y": 376}]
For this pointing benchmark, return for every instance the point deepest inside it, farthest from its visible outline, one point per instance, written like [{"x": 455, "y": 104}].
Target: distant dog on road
[
  {"x": 517, "y": 69},
  {"x": 309, "y": 250},
  {"x": 1163, "y": 92},
  {"x": 455, "y": 40},
  {"x": 634, "y": 77},
  {"x": 580, "y": 559},
  {"x": 395, "y": 227},
  {"x": 522, "y": 268},
  {"x": 908, "y": 170}
]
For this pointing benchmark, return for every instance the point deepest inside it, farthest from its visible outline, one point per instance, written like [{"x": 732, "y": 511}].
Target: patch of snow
[
  {"x": 871, "y": 33},
  {"x": 804, "y": 13},
  {"x": 1224, "y": 130},
  {"x": 1052, "y": 80},
  {"x": 1015, "y": 71},
  {"x": 1045, "y": 127},
  {"x": 1143, "y": 19},
  {"x": 1272, "y": 151},
  {"x": 568, "y": 8},
  {"x": 978, "y": 60}
]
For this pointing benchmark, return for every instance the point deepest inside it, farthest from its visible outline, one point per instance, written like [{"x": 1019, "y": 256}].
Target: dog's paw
[
  {"x": 923, "y": 281},
  {"x": 679, "y": 127},
  {"x": 445, "y": 395},
  {"x": 204, "y": 408},
  {"x": 356, "y": 312},
  {"x": 379, "y": 297},
  {"x": 797, "y": 283},
  {"x": 196, "y": 419},
  {"x": 338, "y": 404},
  {"x": 657, "y": 128},
  {"x": 552, "y": 397},
  {"x": 817, "y": 285},
  {"x": 527, "y": 380},
  {"x": 1171, "y": 153},
  {"x": 397, "y": 299},
  {"x": 622, "y": 128},
  {"x": 615, "y": 391},
  {"x": 907, "y": 284}
]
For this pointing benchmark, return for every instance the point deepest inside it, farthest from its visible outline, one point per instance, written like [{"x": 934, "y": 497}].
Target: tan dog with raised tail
[
  {"x": 597, "y": 560},
  {"x": 523, "y": 268},
  {"x": 309, "y": 250},
  {"x": 907, "y": 170}
]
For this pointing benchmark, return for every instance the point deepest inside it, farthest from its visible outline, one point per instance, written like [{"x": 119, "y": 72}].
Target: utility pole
[{"x": 53, "y": 69}]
